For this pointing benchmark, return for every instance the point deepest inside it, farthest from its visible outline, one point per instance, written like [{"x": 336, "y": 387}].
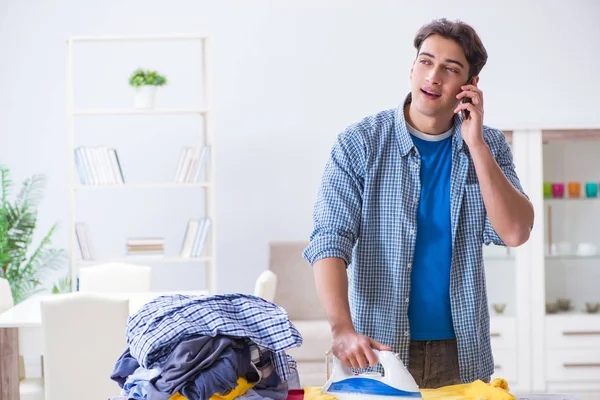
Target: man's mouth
[{"x": 430, "y": 94}]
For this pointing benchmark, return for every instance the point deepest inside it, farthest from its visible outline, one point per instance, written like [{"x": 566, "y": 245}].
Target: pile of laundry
[{"x": 214, "y": 347}]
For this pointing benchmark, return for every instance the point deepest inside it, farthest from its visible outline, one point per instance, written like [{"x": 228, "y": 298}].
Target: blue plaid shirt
[
  {"x": 366, "y": 214},
  {"x": 160, "y": 325}
]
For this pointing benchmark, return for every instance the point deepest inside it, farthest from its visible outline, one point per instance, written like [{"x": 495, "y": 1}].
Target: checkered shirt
[{"x": 366, "y": 214}]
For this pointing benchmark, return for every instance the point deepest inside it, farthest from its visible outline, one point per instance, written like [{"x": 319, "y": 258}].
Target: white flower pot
[{"x": 144, "y": 97}]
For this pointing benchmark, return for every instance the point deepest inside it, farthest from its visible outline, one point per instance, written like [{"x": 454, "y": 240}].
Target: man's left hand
[{"x": 472, "y": 126}]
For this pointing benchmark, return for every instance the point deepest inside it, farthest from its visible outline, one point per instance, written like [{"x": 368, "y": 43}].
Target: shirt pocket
[{"x": 473, "y": 217}]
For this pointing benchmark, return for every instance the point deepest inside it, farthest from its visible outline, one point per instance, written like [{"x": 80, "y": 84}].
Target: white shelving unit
[
  {"x": 208, "y": 186},
  {"x": 565, "y": 347}
]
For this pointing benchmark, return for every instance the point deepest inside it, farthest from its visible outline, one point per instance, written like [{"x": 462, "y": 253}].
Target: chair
[
  {"x": 29, "y": 388},
  {"x": 297, "y": 294},
  {"x": 115, "y": 278},
  {"x": 266, "y": 285},
  {"x": 83, "y": 336}
]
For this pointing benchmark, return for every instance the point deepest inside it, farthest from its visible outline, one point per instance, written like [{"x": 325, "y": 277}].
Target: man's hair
[{"x": 461, "y": 33}]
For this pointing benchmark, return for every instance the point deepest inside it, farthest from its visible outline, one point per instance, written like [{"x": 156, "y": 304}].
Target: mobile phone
[{"x": 465, "y": 113}]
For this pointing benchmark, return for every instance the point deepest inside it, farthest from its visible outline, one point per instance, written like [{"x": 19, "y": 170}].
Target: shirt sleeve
[
  {"x": 504, "y": 158},
  {"x": 337, "y": 211}
]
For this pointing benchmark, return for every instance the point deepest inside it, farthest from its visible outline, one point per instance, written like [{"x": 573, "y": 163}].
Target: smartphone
[{"x": 465, "y": 113}]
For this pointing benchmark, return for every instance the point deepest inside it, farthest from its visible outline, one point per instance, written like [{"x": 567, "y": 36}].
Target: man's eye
[
  {"x": 424, "y": 62},
  {"x": 452, "y": 70}
]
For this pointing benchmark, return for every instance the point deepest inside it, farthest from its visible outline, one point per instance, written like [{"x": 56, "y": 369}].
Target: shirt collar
[{"x": 405, "y": 142}]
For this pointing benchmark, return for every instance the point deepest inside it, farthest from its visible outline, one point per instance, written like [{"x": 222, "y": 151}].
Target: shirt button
[
  {"x": 409, "y": 265},
  {"x": 406, "y": 300},
  {"x": 416, "y": 165},
  {"x": 406, "y": 333},
  {"x": 412, "y": 231},
  {"x": 416, "y": 200}
]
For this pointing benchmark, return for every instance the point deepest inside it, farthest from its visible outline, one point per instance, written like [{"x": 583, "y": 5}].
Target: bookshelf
[{"x": 81, "y": 179}]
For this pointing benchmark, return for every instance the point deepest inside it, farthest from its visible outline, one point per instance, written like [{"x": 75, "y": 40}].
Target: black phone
[{"x": 465, "y": 113}]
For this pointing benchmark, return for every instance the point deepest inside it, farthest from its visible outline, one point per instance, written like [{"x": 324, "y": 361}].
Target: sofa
[{"x": 296, "y": 293}]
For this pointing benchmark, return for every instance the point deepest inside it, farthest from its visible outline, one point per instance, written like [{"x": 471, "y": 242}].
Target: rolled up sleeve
[
  {"x": 337, "y": 211},
  {"x": 504, "y": 158}
]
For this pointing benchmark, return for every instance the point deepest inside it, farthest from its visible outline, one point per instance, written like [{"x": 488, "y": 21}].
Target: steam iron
[{"x": 396, "y": 383}]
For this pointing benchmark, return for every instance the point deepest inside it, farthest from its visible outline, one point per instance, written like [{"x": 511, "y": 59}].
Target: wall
[{"x": 288, "y": 77}]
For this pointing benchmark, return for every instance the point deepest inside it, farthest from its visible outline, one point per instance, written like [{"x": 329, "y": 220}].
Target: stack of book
[
  {"x": 98, "y": 165},
  {"x": 150, "y": 246},
  {"x": 195, "y": 237},
  {"x": 84, "y": 242},
  {"x": 192, "y": 164}
]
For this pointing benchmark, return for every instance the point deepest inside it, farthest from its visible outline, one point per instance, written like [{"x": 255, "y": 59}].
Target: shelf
[
  {"x": 572, "y": 199},
  {"x": 145, "y": 259},
  {"x": 570, "y": 135},
  {"x": 126, "y": 111},
  {"x": 170, "y": 185},
  {"x": 573, "y": 313},
  {"x": 573, "y": 257}
]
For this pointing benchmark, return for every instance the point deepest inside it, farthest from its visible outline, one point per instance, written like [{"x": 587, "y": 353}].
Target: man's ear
[
  {"x": 475, "y": 80},
  {"x": 411, "y": 69}
]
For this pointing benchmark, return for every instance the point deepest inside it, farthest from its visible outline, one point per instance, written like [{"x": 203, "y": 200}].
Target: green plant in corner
[
  {"x": 63, "y": 285},
  {"x": 140, "y": 78},
  {"x": 25, "y": 269}
]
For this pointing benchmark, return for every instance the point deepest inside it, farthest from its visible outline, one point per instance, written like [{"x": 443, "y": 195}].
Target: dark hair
[{"x": 462, "y": 34}]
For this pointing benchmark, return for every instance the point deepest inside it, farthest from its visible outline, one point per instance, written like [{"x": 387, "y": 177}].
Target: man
[{"x": 407, "y": 200}]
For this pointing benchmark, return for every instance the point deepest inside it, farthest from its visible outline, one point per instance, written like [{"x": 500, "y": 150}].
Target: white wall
[{"x": 289, "y": 76}]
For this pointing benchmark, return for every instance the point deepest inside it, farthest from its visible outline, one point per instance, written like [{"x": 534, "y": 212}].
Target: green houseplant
[
  {"x": 25, "y": 268},
  {"x": 145, "y": 83}
]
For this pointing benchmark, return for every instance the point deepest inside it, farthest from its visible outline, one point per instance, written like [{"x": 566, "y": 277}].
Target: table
[{"x": 21, "y": 333}]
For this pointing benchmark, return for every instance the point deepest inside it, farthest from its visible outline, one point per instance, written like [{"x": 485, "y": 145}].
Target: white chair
[
  {"x": 265, "y": 285},
  {"x": 29, "y": 388},
  {"x": 115, "y": 278},
  {"x": 83, "y": 336}
]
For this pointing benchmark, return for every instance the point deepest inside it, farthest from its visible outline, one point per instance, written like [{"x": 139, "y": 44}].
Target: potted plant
[
  {"x": 145, "y": 83},
  {"x": 25, "y": 268}
]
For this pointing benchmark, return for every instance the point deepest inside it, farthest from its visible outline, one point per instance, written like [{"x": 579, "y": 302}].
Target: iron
[{"x": 396, "y": 382}]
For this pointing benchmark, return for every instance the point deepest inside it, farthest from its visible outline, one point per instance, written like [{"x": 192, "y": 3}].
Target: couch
[{"x": 296, "y": 293}]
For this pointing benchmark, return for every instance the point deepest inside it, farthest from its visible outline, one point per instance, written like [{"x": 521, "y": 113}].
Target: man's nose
[{"x": 434, "y": 76}]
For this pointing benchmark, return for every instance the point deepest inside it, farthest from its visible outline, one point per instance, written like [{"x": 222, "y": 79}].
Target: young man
[{"x": 407, "y": 200}]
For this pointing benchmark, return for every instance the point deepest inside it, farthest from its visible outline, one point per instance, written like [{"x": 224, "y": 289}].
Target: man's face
[{"x": 437, "y": 75}]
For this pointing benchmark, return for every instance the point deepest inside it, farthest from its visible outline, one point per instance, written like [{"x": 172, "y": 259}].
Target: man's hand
[
  {"x": 355, "y": 350},
  {"x": 472, "y": 126}
]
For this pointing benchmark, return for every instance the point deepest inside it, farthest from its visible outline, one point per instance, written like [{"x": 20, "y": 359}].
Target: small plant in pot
[{"x": 145, "y": 83}]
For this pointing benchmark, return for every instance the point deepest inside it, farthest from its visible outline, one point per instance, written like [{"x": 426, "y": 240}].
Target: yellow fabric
[
  {"x": 478, "y": 390},
  {"x": 242, "y": 387},
  {"x": 315, "y": 393}
]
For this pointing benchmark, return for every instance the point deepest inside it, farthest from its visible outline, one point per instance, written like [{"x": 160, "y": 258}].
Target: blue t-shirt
[{"x": 429, "y": 311}]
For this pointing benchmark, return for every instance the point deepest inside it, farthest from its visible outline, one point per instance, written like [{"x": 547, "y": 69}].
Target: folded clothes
[{"x": 160, "y": 325}]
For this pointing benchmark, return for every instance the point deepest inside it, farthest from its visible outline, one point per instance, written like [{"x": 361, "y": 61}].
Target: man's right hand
[{"x": 355, "y": 350}]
